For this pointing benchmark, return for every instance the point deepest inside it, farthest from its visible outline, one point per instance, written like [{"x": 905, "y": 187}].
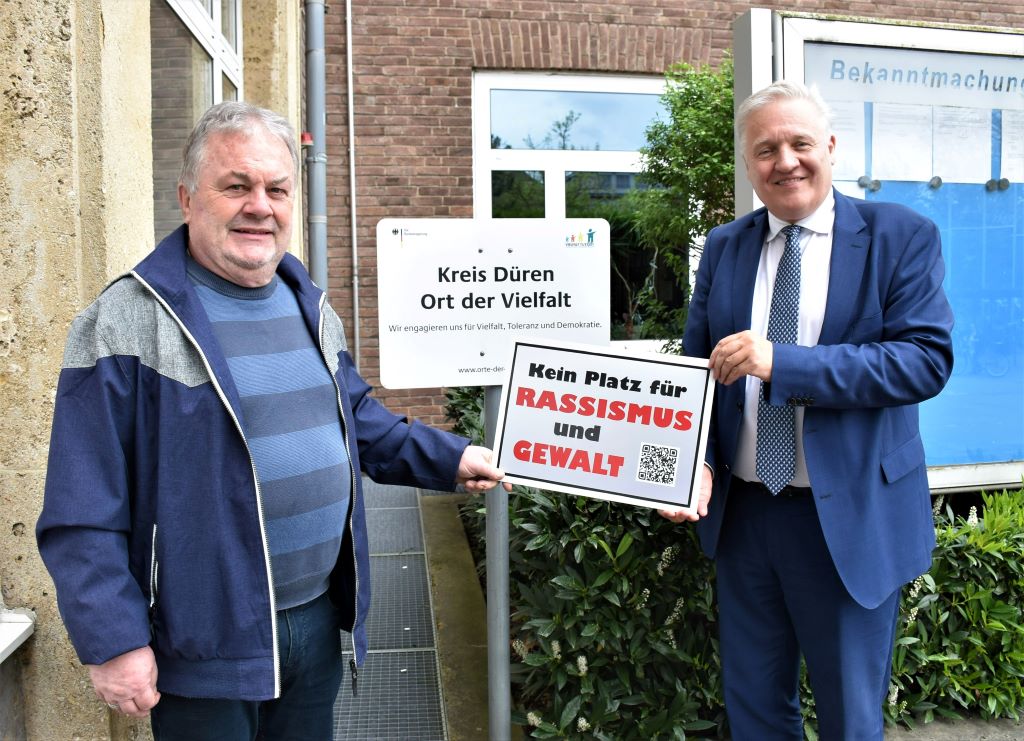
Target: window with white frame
[
  {"x": 567, "y": 146},
  {"x": 195, "y": 61}
]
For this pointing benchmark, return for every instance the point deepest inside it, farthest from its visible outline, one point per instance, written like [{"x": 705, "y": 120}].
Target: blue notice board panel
[{"x": 979, "y": 417}]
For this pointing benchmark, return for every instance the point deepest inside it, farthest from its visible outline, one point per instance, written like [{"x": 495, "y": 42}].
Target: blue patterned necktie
[{"x": 776, "y": 425}]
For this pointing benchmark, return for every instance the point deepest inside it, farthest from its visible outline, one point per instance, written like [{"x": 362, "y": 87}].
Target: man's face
[
  {"x": 789, "y": 154},
  {"x": 239, "y": 218}
]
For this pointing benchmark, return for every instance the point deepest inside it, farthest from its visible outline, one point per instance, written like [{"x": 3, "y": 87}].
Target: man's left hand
[
  {"x": 741, "y": 354},
  {"x": 704, "y": 498},
  {"x": 476, "y": 472}
]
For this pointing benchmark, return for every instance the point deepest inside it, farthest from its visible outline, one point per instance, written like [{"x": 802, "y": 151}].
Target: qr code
[{"x": 658, "y": 464}]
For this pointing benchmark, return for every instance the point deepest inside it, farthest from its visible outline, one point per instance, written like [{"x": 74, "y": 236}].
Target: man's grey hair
[
  {"x": 778, "y": 91},
  {"x": 232, "y": 117}
]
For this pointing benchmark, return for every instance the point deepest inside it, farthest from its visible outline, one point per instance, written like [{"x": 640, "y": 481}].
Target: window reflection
[
  {"x": 182, "y": 88},
  {"x": 637, "y": 272},
  {"x": 228, "y": 25},
  {"x": 560, "y": 119},
  {"x": 517, "y": 194},
  {"x": 228, "y": 91}
]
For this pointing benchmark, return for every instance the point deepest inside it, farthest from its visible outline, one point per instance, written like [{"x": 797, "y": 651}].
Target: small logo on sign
[{"x": 580, "y": 239}]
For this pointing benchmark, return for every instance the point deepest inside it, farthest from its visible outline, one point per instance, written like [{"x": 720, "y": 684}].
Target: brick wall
[{"x": 413, "y": 64}]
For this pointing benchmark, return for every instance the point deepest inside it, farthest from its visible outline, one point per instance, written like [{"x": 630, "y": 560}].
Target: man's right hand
[
  {"x": 127, "y": 683},
  {"x": 741, "y": 354}
]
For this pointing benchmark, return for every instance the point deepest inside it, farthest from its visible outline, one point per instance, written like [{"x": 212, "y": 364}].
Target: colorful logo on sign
[{"x": 580, "y": 239}]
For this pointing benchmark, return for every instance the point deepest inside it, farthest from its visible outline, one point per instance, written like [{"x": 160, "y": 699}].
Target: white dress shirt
[{"x": 815, "y": 256}]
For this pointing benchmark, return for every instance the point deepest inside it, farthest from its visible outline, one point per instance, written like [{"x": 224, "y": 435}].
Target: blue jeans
[{"x": 309, "y": 644}]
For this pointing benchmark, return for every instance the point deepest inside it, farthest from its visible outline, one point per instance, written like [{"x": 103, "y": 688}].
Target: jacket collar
[{"x": 164, "y": 271}]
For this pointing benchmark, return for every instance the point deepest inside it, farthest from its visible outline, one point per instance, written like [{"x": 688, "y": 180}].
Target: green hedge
[
  {"x": 960, "y": 641},
  {"x": 605, "y": 645},
  {"x": 608, "y": 647}
]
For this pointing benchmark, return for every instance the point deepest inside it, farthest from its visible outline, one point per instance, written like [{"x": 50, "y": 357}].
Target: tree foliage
[{"x": 688, "y": 166}]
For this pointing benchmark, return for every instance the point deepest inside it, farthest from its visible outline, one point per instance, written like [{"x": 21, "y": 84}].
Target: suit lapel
[
  {"x": 850, "y": 242},
  {"x": 748, "y": 255}
]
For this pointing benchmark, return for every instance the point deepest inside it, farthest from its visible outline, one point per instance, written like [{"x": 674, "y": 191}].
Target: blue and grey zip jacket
[{"x": 152, "y": 524}]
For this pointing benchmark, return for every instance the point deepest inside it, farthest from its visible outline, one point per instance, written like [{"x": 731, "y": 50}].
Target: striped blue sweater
[{"x": 290, "y": 417}]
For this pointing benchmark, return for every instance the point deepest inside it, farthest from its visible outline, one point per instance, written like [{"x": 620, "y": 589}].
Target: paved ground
[{"x": 975, "y": 730}]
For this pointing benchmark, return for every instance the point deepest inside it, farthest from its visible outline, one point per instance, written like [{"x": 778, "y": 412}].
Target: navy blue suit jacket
[{"x": 885, "y": 345}]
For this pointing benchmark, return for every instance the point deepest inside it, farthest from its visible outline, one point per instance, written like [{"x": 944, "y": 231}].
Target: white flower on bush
[
  {"x": 582, "y": 725},
  {"x": 937, "y": 507},
  {"x": 556, "y": 649},
  {"x": 677, "y": 612},
  {"x": 972, "y": 517},
  {"x": 581, "y": 665},
  {"x": 667, "y": 557},
  {"x": 533, "y": 719},
  {"x": 915, "y": 589},
  {"x": 644, "y": 596},
  {"x": 520, "y": 649},
  {"x": 897, "y": 709}
]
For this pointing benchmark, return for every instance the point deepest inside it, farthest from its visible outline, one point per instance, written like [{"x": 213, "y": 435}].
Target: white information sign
[
  {"x": 848, "y": 126},
  {"x": 454, "y": 294},
  {"x": 1013, "y": 146},
  {"x": 962, "y": 144},
  {"x": 902, "y": 147},
  {"x": 625, "y": 427}
]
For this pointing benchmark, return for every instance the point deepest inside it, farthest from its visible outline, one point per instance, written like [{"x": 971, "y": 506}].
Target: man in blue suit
[{"x": 818, "y": 518}]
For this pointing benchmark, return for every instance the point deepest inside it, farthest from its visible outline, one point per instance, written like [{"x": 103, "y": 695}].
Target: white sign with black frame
[{"x": 588, "y": 420}]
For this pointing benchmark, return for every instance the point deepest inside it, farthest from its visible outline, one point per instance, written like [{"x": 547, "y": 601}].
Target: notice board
[{"x": 933, "y": 118}]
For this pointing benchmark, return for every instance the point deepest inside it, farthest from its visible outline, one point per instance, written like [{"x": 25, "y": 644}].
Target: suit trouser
[{"x": 779, "y": 595}]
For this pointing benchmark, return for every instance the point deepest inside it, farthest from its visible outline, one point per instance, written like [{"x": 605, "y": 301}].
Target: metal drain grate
[
  {"x": 394, "y": 530},
  {"x": 399, "y": 685},
  {"x": 381, "y": 496},
  {"x": 399, "y": 700},
  {"x": 400, "y": 615}
]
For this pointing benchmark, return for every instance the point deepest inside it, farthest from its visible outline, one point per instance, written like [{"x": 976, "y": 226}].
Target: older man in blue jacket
[
  {"x": 203, "y": 518},
  {"x": 825, "y": 323}
]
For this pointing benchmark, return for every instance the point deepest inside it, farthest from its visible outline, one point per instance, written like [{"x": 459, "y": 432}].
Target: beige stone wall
[
  {"x": 74, "y": 186},
  {"x": 76, "y": 191}
]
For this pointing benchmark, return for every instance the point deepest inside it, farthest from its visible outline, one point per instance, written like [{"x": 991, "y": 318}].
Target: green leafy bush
[
  {"x": 960, "y": 641},
  {"x": 613, "y": 621}
]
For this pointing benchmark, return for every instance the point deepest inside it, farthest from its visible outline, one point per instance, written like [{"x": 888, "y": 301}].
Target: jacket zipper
[
  {"x": 352, "y": 508},
  {"x": 252, "y": 466},
  {"x": 153, "y": 574}
]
